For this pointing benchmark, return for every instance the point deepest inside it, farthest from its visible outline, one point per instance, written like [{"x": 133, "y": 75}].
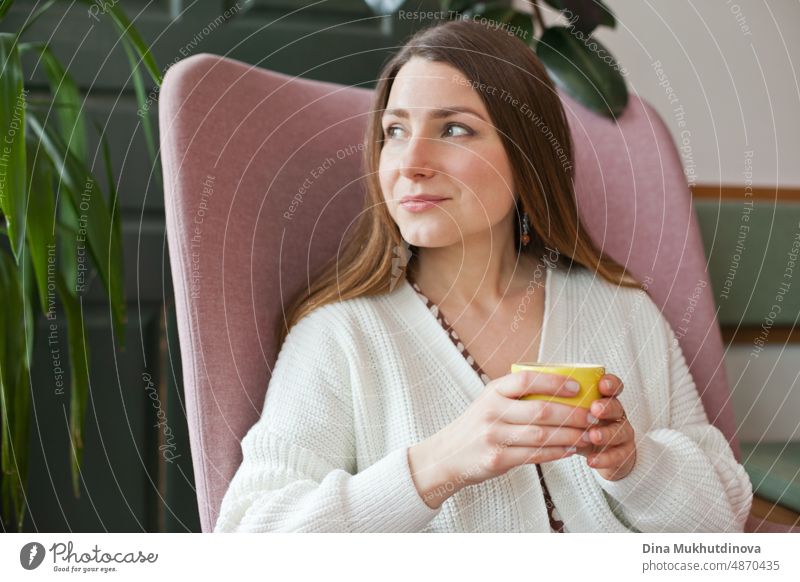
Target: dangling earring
[{"x": 526, "y": 230}]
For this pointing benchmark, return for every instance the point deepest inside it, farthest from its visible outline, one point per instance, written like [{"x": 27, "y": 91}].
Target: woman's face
[{"x": 456, "y": 155}]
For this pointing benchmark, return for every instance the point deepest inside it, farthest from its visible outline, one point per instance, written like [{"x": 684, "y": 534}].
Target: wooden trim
[
  {"x": 776, "y": 513},
  {"x": 746, "y": 334},
  {"x": 735, "y": 192}
]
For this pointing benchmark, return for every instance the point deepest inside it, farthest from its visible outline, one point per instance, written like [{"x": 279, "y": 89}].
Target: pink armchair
[{"x": 261, "y": 178}]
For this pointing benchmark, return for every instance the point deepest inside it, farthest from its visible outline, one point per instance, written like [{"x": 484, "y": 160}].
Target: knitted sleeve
[
  {"x": 686, "y": 478},
  {"x": 298, "y": 467}
]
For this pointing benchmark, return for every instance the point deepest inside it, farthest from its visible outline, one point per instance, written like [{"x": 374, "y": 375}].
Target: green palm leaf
[
  {"x": 95, "y": 220},
  {"x": 41, "y": 219},
  {"x": 14, "y": 388},
  {"x": 67, "y": 99},
  {"x": 132, "y": 35},
  {"x": 78, "y": 377},
  {"x": 12, "y": 154}
]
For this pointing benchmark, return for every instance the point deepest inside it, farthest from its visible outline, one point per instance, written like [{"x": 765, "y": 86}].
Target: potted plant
[
  {"x": 576, "y": 61},
  {"x": 58, "y": 226}
]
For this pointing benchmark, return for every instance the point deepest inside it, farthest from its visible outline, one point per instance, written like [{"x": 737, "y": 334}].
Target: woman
[{"x": 383, "y": 414}]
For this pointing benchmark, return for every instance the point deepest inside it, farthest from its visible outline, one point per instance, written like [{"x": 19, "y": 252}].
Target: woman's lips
[{"x": 421, "y": 205}]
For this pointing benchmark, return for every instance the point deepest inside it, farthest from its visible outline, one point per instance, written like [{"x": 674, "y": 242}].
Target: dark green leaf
[
  {"x": 67, "y": 235},
  {"x": 95, "y": 222},
  {"x": 13, "y": 171},
  {"x": 465, "y": 7},
  {"x": 30, "y": 296},
  {"x": 144, "y": 108},
  {"x": 512, "y": 21},
  {"x": 116, "y": 219},
  {"x": 522, "y": 25},
  {"x": 22, "y": 402},
  {"x": 6, "y": 391},
  {"x": 66, "y": 100},
  {"x": 581, "y": 72},
  {"x": 486, "y": 8},
  {"x": 585, "y": 15},
  {"x": 129, "y": 32},
  {"x": 237, "y": 7},
  {"x": 72, "y": 129},
  {"x": 14, "y": 390},
  {"x": 41, "y": 219},
  {"x": 35, "y": 16},
  {"x": 79, "y": 377},
  {"x": 21, "y": 430},
  {"x": 4, "y": 6}
]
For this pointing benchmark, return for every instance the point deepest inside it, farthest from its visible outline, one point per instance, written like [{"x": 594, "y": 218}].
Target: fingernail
[
  {"x": 572, "y": 450},
  {"x": 607, "y": 384},
  {"x": 586, "y": 437},
  {"x": 572, "y": 386},
  {"x": 591, "y": 418}
]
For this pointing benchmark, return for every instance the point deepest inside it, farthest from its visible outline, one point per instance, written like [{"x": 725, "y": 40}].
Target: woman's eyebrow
[{"x": 436, "y": 113}]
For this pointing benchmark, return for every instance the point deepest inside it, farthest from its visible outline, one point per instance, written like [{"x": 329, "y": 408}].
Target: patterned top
[{"x": 556, "y": 525}]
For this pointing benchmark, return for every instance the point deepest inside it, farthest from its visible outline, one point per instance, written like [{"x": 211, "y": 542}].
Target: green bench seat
[{"x": 774, "y": 470}]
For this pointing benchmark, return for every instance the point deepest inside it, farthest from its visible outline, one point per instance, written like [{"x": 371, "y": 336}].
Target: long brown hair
[{"x": 536, "y": 139}]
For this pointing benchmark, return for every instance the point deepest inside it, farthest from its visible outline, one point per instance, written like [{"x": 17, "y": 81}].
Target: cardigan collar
[
  {"x": 435, "y": 339},
  {"x": 582, "y": 504}
]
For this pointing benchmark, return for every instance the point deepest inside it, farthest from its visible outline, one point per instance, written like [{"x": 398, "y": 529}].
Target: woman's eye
[
  {"x": 459, "y": 127},
  {"x": 388, "y": 131}
]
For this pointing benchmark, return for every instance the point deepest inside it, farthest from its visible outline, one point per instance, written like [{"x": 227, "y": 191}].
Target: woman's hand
[
  {"x": 498, "y": 432},
  {"x": 614, "y": 454}
]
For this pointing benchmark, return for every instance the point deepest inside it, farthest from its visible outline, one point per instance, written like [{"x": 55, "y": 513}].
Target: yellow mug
[{"x": 587, "y": 375}]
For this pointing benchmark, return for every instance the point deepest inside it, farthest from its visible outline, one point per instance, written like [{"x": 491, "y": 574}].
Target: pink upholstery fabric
[{"x": 261, "y": 176}]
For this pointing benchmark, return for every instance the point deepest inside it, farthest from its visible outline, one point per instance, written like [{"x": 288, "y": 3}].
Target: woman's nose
[{"x": 418, "y": 157}]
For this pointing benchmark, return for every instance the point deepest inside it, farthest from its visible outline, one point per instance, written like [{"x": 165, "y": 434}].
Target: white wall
[{"x": 738, "y": 79}]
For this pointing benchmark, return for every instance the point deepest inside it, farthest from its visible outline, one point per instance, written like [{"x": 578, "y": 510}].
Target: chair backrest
[{"x": 262, "y": 178}]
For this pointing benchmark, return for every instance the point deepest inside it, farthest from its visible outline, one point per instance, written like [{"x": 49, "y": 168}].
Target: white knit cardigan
[{"x": 359, "y": 381}]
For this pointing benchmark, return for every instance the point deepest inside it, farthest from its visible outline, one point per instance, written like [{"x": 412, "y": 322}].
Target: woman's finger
[
  {"x": 611, "y": 458},
  {"x": 530, "y": 435},
  {"x": 610, "y": 385},
  {"x": 541, "y": 412},
  {"x": 607, "y": 409},
  {"x": 519, "y": 384},
  {"x": 611, "y": 435}
]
